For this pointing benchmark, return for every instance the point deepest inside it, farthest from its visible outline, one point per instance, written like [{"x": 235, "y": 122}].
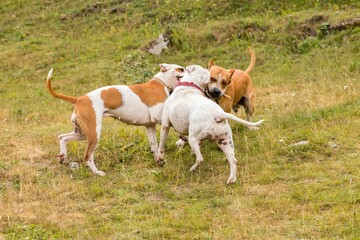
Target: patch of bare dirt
[
  {"x": 113, "y": 7},
  {"x": 318, "y": 25},
  {"x": 223, "y": 34}
]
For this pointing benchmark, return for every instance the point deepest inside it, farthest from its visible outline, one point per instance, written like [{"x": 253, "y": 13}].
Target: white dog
[
  {"x": 139, "y": 104},
  {"x": 190, "y": 113}
]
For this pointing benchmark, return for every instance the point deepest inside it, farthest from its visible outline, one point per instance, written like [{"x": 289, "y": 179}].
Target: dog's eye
[
  {"x": 213, "y": 79},
  {"x": 180, "y": 69},
  {"x": 224, "y": 83}
]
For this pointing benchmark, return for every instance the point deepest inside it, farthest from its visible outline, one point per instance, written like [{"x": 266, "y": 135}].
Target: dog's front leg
[
  {"x": 151, "y": 133},
  {"x": 161, "y": 150}
]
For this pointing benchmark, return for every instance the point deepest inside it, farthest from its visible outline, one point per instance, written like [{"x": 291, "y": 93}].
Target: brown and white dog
[
  {"x": 139, "y": 104},
  {"x": 232, "y": 88}
]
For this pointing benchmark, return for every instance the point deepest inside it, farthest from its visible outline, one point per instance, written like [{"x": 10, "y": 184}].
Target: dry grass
[{"x": 283, "y": 192}]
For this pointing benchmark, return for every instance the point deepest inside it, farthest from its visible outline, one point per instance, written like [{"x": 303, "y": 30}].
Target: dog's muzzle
[{"x": 215, "y": 93}]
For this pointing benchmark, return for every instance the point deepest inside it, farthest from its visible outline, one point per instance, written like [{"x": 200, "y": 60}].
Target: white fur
[
  {"x": 133, "y": 111},
  {"x": 190, "y": 113}
]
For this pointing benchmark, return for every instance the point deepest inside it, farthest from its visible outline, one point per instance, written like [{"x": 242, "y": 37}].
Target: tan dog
[{"x": 232, "y": 88}]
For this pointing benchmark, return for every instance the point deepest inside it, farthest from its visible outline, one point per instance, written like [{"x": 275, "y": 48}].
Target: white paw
[
  {"x": 180, "y": 143},
  {"x": 100, "y": 173},
  {"x": 231, "y": 179},
  {"x": 193, "y": 168}
]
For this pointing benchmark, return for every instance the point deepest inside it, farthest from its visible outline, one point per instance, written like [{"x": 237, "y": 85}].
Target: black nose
[{"x": 215, "y": 93}]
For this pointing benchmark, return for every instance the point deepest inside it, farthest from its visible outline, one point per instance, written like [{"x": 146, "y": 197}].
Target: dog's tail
[
  {"x": 252, "y": 61},
  {"x": 225, "y": 115},
  {"x": 58, "y": 95}
]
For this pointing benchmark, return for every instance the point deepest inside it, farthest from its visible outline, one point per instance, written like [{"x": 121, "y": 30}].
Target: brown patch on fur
[
  {"x": 180, "y": 70},
  {"x": 150, "y": 93},
  {"x": 112, "y": 98},
  {"x": 86, "y": 118}
]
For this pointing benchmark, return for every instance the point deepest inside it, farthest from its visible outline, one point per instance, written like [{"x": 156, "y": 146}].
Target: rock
[
  {"x": 74, "y": 166},
  {"x": 158, "y": 45},
  {"x": 333, "y": 144},
  {"x": 303, "y": 142}
]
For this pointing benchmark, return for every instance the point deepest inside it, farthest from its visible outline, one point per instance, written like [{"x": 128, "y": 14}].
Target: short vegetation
[{"x": 299, "y": 174}]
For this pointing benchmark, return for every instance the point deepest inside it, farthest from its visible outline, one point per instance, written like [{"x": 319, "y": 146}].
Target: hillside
[{"x": 307, "y": 89}]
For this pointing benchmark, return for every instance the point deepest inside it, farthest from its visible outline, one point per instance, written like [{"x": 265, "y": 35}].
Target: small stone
[
  {"x": 333, "y": 145},
  {"x": 74, "y": 166},
  {"x": 300, "y": 143}
]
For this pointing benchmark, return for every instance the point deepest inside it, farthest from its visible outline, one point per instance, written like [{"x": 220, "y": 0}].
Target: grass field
[{"x": 307, "y": 80}]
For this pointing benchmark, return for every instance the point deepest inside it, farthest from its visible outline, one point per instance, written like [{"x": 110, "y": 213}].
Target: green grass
[{"x": 307, "y": 88}]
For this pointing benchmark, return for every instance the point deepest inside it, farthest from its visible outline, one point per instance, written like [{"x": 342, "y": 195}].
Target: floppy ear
[
  {"x": 231, "y": 71},
  {"x": 163, "y": 67},
  {"x": 210, "y": 64}
]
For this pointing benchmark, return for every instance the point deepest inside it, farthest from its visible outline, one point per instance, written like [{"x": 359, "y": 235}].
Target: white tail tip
[
  {"x": 50, "y": 74},
  {"x": 259, "y": 122}
]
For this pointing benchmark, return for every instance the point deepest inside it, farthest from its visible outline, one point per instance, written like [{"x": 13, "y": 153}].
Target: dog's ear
[
  {"x": 231, "y": 72},
  {"x": 163, "y": 67},
  {"x": 210, "y": 64},
  {"x": 190, "y": 68}
]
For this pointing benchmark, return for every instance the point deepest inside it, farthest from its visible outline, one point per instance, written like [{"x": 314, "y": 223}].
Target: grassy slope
[{"x": 306, "y": 89}]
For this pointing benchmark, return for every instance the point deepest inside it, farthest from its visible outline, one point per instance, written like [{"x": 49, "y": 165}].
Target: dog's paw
[
  {"x": 161, "y": 162},
  {"x": 231, "y": 179},
  {"x": 62, "y": 158},
  {"x": 100, "y": 173},
  {"x": 194, "y": 167},
  {"x": 159, "y": 157},
  {"x": 180, "y": 143}
]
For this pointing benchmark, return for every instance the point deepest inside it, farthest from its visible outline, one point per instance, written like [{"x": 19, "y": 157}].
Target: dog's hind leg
[
  {"x": 226, "y": 144},
  {"x": 76, "y": 135},
  {"x": 195, "y": 146},
  {"x": 248, "y": 104},
  {"x": 90, "y": 121},
  {"x": 89, "y": 157},
  {"x": 63, "y": 139}
]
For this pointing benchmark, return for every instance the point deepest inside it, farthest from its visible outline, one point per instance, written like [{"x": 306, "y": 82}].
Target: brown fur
[
  {"x": 238, "y": 85},
  {"x": 149, "y": 92},
  {"x": 59, "y": 95},
  {"x": 112, "y": 98},
  {"x": 85, "y": 116}
]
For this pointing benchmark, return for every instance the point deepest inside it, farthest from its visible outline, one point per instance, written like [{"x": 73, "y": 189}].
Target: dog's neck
[
  {"x": 170, "y": 85},
  {"x": 189, "y": 84},
  {"x": 192, "y": 80}
]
